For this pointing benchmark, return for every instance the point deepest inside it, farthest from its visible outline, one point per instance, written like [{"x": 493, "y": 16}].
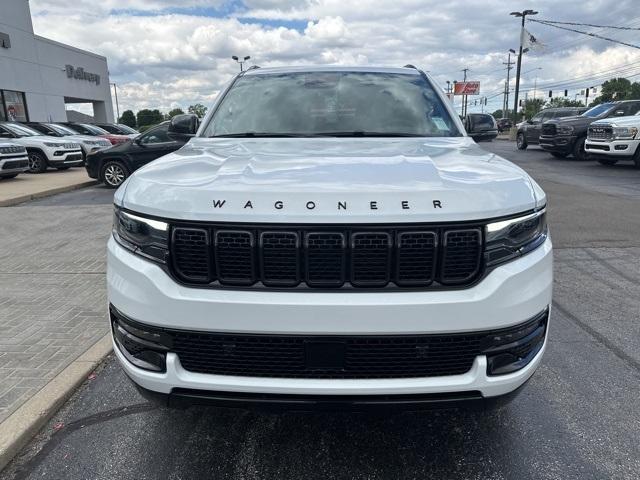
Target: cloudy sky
[{"x": 164, "y": 54}]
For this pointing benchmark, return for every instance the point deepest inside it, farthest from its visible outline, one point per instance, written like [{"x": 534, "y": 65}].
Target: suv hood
[
  {"x": 573, "y": 120},
  {"x": 629, "y": 121},
  {"x": 39, "y": 139},
  {"x": 332, "y": 180}
]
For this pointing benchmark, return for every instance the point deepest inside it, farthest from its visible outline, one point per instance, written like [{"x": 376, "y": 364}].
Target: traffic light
[
  {"x": 566, "y": 93},
  {"x": 550, "y": 93}
]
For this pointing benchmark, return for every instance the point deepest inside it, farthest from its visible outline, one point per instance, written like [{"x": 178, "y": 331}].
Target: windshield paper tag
[{"x": 439, "y": 123}]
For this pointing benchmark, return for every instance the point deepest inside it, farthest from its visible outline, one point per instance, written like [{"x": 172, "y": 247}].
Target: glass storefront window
[{"x": 13, "y": 107}]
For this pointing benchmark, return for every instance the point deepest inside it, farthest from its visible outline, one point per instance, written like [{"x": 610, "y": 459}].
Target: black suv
[
  {"x": 114, "y": 165},
  {"x": 566, "y": 136},
  {"x": 529, "y": 131}
]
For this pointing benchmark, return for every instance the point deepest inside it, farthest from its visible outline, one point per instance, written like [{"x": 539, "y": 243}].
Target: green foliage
[
  {"x": 497, "y": 114},
  {"x": 533, "y": 106},
  {"x": 149, "y": 117},
  {"x": 174, "y": 112},
  {"x": 557, "y": 102},
  {"x": 128, "y": 118},
  {"x": 617, "y": 89},
  {"x": 198, "y": 109}
]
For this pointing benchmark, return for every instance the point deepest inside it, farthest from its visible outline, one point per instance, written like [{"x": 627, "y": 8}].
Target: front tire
[
  {"x": 521, "y": 142},
  {"x": 11, "y": 175},
  {"x": 578, "y": 150},
  {"x": 37, "y": 162},
  {"x": 113, "y": 173},
  {"x": 607, "y": 161}
]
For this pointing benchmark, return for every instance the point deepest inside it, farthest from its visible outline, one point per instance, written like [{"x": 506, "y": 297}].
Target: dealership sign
[
  {"x": 466, "y": 88},
  {"x": 80, "y": 74}
]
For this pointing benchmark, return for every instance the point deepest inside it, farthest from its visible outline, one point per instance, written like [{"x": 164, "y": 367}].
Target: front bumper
[
  {"x": 619, "y": 149},
  {"x": 13, "y": 164},
  {"x": 57, "y": 157},
  {"x": 509, "y": 295},
  {"x": 557, "y": 143}
]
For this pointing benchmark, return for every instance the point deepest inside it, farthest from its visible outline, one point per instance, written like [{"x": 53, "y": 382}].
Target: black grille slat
[
  {"x": 370, "y": 257},
  {"x": 461, "y": 259},
  {"x": 416, "y": 258},
  {"x": 235, "y": 257},
  {"x": 280, "y": 258},
  {"x": 191, "y": 254},
  {"x": 329, "y": 256},
  {"x": 325, "y": 259},
  {"x": 548, "y": 129}
]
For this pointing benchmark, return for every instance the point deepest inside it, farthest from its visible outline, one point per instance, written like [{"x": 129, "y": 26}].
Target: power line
[
  {"x": 595, "y": 35},
  {"x": 585, "y": 24}
]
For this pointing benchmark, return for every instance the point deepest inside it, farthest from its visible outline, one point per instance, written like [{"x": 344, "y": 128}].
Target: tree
[
  {"x": 198, "y": 109},
  {"x": 128, "y": 118},
  {"x": 563, "y": 102},
  {"x": 531, "y": 107},
  {"x": 497, "y": 114},
  {"x": 174, "y": 112},
  {"x": 148, "y": 117}
]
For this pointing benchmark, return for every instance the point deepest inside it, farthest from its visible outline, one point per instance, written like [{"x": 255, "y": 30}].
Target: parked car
[
  {"x": 119, "y": 129},
  {"x": 529, "y": 131},
  {"x": 566, "y": 136},
  {"x": 88, "y": 143},
  {"x": 503, "y": 124},
  {"x": 113, "y": 166},
  {"x": 612, "y": 140},
  {"x": 481, "y": 126},
  {"x": 43, "y": 151},
  {"x": 371, "y": 255},
  {"x": 13, "y": 159},
  {"x": 92, "y": 130}
]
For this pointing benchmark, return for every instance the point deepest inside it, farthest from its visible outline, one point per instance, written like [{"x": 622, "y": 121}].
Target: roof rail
[{"x": 408, "y": 65}]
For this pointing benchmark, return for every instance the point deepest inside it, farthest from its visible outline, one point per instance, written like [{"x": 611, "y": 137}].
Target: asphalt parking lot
[{"x": 579, "y": 417}]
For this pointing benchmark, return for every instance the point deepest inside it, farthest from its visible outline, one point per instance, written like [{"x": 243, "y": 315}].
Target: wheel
[
  {"x": 11, "y": 175},
  {"x": 559, "y": 155},
  {"x": 636, "y": 157},
  {"x": 578, "y": 150},
  {"x": 607, "y": 161},
  {"x": 113, "y": 174},
  {"x": 37, "y": 162},
  {"x": 521, "y": 142},
  {"x": 62, "y": 168}
]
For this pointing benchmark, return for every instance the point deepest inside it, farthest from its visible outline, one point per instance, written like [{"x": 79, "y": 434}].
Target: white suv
[
  {"x": 44, "y": 151},
  {"x": 13, "y": 160},
  {"x": 88, "y": 143},
  {"x": 330, "y": 237}
]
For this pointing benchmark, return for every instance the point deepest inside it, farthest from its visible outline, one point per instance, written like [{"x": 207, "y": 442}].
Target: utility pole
[
  {"x": 505, "y": 102},
  {"x": 522, "y": 15},
  {"x": 464, "y": 97}
]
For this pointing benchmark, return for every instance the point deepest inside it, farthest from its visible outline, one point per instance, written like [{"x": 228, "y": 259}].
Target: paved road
[{"x": 578, "y": 418}]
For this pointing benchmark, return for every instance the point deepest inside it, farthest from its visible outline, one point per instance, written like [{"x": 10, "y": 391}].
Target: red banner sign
[{"x": 466, "y": 88}]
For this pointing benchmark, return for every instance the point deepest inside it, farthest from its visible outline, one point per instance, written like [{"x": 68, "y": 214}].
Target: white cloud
[{"x": 161, "y": 60}]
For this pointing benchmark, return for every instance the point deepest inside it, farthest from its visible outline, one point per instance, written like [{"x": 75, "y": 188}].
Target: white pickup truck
[
  {"x": 329, "y": 237},
  {"x": 611, "y": 140}
]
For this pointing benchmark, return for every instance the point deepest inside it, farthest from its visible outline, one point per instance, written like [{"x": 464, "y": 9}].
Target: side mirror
[{"x": 183, "y": 127}]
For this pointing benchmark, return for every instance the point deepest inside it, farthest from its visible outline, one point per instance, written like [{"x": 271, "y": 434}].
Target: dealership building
[{"x": 40, "y": 77}]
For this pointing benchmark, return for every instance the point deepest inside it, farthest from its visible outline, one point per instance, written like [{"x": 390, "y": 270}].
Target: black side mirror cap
[{"x": 183, "y": 127}]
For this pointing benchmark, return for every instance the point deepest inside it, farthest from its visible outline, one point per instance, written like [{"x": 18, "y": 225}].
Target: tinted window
[
  {"x": 110, "y": 128},
  {"x": 482, "y": 121},
  {"x": 61, "y": 129},
  {"x": 537, "y": 118},
  {"x": 565, "y": 113},
  {"x": 597, "y": 110},
  {"x": 325, "y": 103},
  {"x": 21, "y": 130},
  {"x": 126, "y": 129},
  {"x": 157, "y": 135}
]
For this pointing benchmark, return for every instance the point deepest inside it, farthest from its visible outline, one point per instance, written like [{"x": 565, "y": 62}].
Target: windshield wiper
[
  {"x": 259, "y": 135},
  {"x": 362, "y": 133}
]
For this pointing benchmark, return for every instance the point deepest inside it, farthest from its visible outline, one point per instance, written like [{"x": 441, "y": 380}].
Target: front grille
[
  {"x": 327, "y": 256},
  {"x": 71, "y": 146},
  {"x": 338, "y": 357},
  {"x": 600, "y": 132},
  {"x": 15, "y": 164},
  {"x": 8, "y": 150},
  {"x": 548, "y": 129}
]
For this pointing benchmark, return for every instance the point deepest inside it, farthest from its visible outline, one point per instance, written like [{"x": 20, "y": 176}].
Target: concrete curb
[
  {"x": 46, "y": 193},
  {"x": 17, "y": 430}
]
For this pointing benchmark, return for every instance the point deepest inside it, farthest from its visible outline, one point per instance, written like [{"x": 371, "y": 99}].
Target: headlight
[
  {"x": 564, "y": 129},
  {"x": 624, "y": 133},
  {"x": 512, "y": 238},
  {"x": 142, "y": 236},
  {"x": 54, "y": 145}
]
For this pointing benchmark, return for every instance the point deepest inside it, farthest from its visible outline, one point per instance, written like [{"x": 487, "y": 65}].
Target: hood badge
[{"x": 311, "y": 205}]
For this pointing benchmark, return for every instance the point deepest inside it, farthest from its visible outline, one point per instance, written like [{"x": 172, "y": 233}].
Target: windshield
[
  {"x": 332, "y": 104},
  {"x": 61, "y": 130},
  {"x": 126, "y": 129},
  {"x": 597, "y": 110},
  {"x": 21, "y": 130}
]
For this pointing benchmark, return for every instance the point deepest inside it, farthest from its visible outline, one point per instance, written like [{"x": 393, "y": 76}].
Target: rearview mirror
[{"x": 183, "y": 127}]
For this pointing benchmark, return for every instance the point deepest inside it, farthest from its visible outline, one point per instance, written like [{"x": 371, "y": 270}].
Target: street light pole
[
  {"x": 115, "y": 89},
  {"x": 522, "y": 15},
  {"x": 241, "y": 62}
]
